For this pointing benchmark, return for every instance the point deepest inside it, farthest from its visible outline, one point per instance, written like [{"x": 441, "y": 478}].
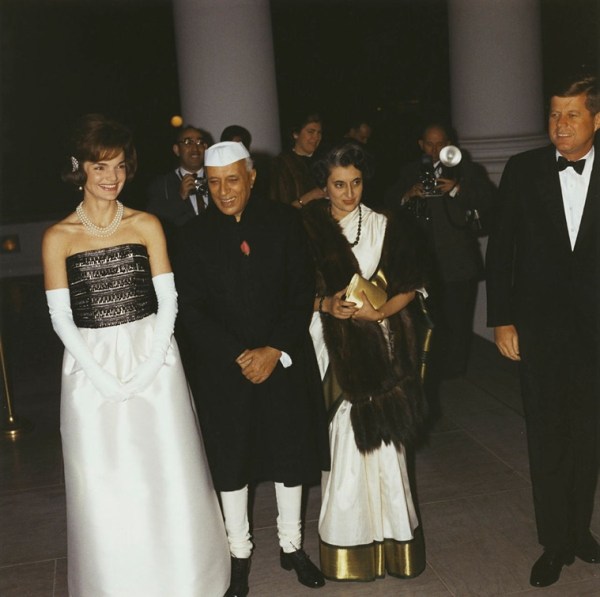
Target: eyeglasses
[{"x": 189, "y": 141}]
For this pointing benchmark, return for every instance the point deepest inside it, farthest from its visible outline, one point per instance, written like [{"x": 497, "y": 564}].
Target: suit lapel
[{"x": 549, "y": 192}]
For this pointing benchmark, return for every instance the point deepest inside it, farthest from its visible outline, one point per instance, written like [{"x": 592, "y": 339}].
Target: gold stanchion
[
  {"x": 11, "y": 426},
  {"x": 425, "y": 327}
]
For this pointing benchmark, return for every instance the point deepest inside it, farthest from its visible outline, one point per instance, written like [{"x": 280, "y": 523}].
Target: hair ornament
[{"x": 74, "y": 164}]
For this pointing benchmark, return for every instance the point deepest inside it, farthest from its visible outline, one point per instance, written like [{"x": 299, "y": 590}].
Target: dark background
[{"x": 382, "y": 58}]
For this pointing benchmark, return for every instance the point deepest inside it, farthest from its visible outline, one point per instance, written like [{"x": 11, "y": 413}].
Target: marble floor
[{"x": 471, "y": 475}]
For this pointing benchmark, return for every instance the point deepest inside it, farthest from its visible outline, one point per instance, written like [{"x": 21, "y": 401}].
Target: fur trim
[{"x": 380, "y": 379}]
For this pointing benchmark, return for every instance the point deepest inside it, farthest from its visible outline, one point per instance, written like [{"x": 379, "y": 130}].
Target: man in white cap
[{"x": 246, "y": 288}]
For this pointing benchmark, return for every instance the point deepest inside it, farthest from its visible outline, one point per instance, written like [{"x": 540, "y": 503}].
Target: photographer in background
[
  {"x": 451, "y": 203},
  {"x": 181, "y": 194}
]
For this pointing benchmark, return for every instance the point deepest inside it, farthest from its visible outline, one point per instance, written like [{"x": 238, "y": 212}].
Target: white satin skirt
[
  {"x": 143, "y": 518},
  {"x": 366, "y": 498}
]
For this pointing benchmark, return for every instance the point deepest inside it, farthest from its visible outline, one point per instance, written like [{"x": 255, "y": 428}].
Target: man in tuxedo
[
  {"x": 450, "y": 203},
  {"x": 179, "y": 195},
  {"x": 542, "y": 288},
  {"x": 246, "y": 287}
]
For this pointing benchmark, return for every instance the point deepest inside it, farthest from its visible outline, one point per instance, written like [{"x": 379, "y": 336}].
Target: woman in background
[
  {"x": 292, "y": 180},
  {"x": 142, "y": 515},
  {"x": 367, "y": 357}
]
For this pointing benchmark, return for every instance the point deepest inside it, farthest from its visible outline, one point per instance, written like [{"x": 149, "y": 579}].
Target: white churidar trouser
[{"x": 235, "y": 511}]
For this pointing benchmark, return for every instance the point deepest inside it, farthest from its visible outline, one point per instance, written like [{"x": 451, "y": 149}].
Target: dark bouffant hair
[
  {"x": 95, "y": 138},
  {"x": 576, "y": 84},
  {"x": 300, "y": 120},
  {"x": 348, "y": 153}
]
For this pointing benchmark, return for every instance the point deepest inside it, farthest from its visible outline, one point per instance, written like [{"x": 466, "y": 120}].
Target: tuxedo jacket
[
  {"x": 453, "y": 244},
  {"x": 165, "y": 202},
  {"x": 535, "y": 280}
]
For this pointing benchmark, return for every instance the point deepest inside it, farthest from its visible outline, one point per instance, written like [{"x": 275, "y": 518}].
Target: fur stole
[{"x": 378, "y": 376}]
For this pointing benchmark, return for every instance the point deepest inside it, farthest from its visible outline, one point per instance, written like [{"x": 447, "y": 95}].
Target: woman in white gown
[
  {"x": 367, "y": 357},
  {"x": 142, "y": 516}
]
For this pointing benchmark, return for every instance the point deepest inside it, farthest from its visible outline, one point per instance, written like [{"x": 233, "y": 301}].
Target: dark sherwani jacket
[
  {"x": 230, "y": 302},
  {"x": 549, "y": 292}
]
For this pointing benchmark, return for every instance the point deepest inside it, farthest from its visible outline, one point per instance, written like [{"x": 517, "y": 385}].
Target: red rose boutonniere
[{"x": 245, "y": 248}]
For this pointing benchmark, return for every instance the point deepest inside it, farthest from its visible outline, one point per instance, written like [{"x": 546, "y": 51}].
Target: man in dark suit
[
  {"x": 542, "y": 265},
  {"x": 179, "y": 195},
  {"x": 445, "y": 201},
  {"x": 246, "y": 287}
]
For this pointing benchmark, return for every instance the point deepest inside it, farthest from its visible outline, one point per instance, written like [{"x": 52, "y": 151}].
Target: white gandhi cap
[{"x": 225, "y": 153}]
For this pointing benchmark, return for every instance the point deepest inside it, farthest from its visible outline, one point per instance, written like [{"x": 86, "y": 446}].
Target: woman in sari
[{"x": 367, "y": 357}]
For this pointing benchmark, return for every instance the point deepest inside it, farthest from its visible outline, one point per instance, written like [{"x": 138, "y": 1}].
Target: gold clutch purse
[{"x": 374, "y": 289}]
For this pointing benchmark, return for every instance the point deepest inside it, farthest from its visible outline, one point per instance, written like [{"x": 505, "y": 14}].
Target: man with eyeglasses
[{"x": 181, "y": 194}]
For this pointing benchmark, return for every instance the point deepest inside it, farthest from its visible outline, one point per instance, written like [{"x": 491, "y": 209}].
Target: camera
[
  {"x": 450, "y": 157},
  {"x": 201, "y": 185},
  {"x": 427, "y": 178}
]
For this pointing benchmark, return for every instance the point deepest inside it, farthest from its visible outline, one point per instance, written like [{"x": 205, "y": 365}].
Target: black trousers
[
  {"x": 559, "y": 385},
  {"x": 452, "y": 307}
]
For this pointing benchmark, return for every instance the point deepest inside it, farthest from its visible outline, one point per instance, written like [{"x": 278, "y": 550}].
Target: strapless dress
[{"x": 143, "y": 518}]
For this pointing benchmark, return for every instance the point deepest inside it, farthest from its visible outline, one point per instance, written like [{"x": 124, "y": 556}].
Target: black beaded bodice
[{"x": 110, "y": 286}]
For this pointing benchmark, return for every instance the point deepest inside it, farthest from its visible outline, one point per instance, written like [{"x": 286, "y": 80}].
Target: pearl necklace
[{"x": 101, "y": 231}]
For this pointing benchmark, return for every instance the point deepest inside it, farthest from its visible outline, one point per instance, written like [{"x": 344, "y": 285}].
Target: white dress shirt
[
  {"x": 192, "y": 197},
  {"x": 574, "y": 189}
]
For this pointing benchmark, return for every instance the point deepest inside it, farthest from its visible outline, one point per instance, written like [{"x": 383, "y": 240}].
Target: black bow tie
[{"x": 563, "y": 163}]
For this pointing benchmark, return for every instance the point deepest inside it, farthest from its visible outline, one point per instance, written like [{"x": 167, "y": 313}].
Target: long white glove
[
  {"x": 59, "y": 305},
  {"x": 166, "y": 295}
]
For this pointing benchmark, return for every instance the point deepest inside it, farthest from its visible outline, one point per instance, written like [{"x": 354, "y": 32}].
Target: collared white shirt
[
  {"x": 192, "y": 197},
  {"x": 574, "y": 189}
]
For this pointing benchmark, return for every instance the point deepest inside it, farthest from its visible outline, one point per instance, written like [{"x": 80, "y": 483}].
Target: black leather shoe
[
  {"x": 546, "y": 571},
  {"x": 308, "y": 574},
  {"x": 240, "y": 569},
  {"x": 588, "y": 551}
]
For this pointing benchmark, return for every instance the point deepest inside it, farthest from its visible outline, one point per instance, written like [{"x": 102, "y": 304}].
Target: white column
[
  {"x": 496, "y": 78},
  {"x": 227, "y": 68},
  {"x": 496, "y": 88}
]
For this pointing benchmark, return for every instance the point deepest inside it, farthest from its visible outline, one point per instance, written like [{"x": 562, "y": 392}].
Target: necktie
[{"x": 563, "y": 163}]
